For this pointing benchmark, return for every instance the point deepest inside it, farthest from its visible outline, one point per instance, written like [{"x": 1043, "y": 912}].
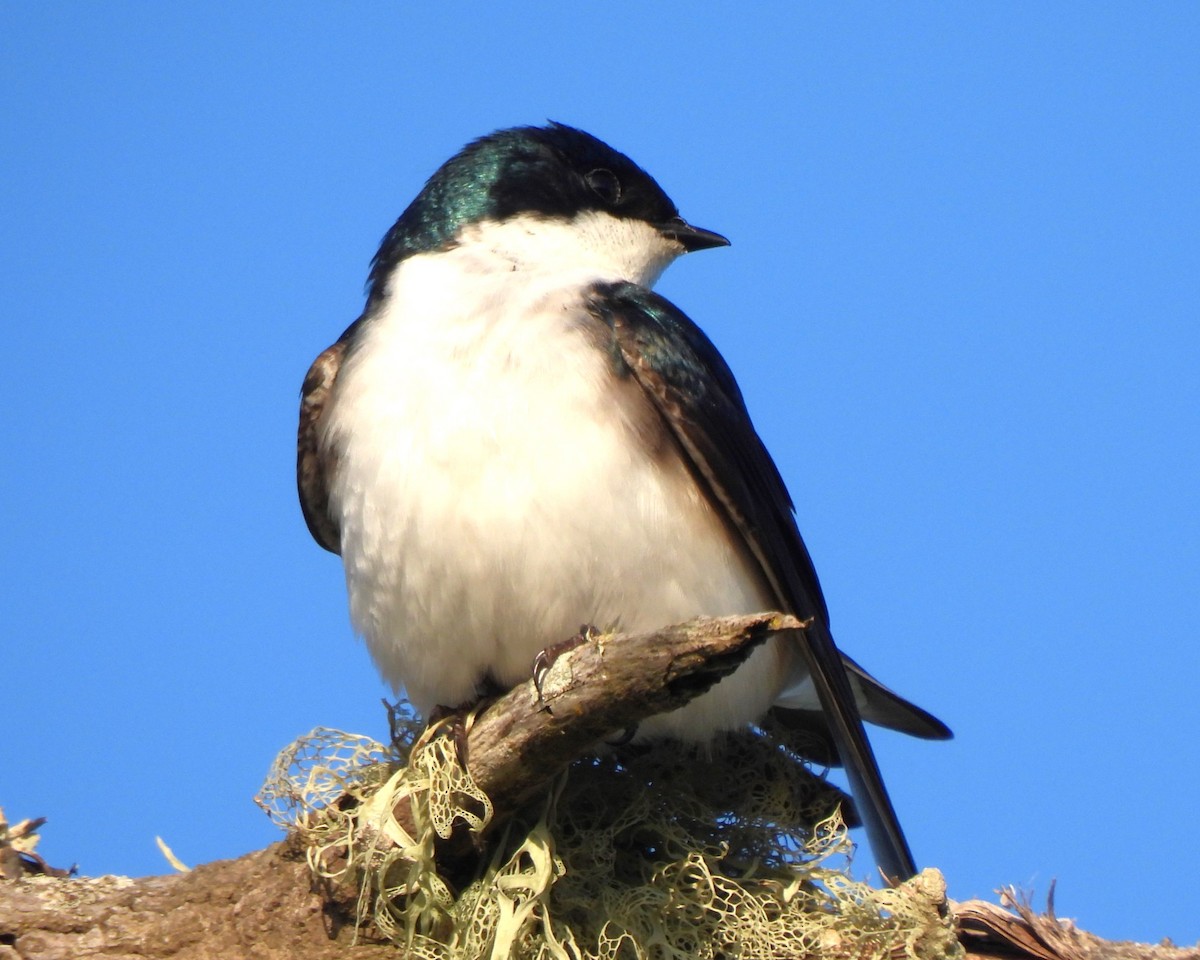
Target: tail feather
[
  {"x": 831, "y": 680},
  {"x": 799, "y": 708}
]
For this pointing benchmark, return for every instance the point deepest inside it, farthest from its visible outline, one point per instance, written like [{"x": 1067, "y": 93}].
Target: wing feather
[
  {"x": 696, "y": 394},
  {"x": 312, "y": 468}
]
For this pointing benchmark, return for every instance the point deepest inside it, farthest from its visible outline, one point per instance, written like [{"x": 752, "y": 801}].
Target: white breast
[{"x": 493, "y": 494}]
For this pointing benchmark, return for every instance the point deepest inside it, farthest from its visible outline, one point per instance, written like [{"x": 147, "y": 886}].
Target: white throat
[{"x": 592, "y": 242}]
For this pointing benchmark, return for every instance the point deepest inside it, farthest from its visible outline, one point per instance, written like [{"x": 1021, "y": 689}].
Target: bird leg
[
  {"x": 488, "y": 691},
  {"x": 456, "y": 727}
]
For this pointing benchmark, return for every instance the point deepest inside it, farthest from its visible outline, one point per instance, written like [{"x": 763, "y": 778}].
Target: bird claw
[{"x": 548, "y": 657}]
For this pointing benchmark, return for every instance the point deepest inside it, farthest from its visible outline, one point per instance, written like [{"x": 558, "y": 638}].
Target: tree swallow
[{"x": 518, "y": 437}]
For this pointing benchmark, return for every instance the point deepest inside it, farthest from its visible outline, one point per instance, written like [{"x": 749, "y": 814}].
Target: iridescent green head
[{"x": 554, "y": 171}]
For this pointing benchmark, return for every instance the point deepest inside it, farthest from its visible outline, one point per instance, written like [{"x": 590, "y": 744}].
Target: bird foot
[
  {"x": 456, "y": 728},
  {"x": 548, "y": 657}
]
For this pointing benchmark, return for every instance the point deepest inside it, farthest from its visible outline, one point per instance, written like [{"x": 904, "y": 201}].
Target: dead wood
[
  {"x": 265, "y": 904},
  {"x": 1013, "y": 930}
]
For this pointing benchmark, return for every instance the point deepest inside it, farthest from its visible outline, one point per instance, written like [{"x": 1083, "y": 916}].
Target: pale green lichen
[{"x": 659, "y": 854}]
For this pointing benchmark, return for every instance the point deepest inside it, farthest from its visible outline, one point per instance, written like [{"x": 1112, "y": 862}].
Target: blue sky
[{"x": 961, "y": 301}]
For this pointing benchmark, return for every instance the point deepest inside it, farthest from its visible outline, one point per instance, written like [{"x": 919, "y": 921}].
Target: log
[{"x": 266, "y": 905}]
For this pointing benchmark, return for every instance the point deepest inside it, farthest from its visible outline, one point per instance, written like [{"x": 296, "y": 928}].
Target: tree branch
[
  {"x": 596, "y": 690},
  {"x": 265, "y": 904},
  {"x": 992, "y": 932}
]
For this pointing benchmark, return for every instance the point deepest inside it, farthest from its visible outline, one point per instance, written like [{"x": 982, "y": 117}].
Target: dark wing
[
  {"x": 695, "y": 392},
  {"x": 312, "y": 470}
]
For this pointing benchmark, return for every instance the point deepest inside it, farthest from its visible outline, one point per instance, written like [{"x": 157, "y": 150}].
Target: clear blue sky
[{"x": 962, "y": 301}]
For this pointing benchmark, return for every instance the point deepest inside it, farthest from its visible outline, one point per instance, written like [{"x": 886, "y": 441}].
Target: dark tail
[{"x": 871, "y": 797}]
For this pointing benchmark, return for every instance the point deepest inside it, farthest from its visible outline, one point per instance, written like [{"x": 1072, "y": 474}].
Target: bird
[{"x": 518, "y": 436}]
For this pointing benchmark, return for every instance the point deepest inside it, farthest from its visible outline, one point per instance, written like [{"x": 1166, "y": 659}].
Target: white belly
[{"x": 493, "y": 494}]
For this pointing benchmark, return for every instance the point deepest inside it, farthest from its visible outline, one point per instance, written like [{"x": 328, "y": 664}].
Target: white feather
[{"x": 491, "y": 488}]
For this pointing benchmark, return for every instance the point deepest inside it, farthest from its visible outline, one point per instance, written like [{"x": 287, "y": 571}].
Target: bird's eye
[{"x": 605, "y": 185}]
